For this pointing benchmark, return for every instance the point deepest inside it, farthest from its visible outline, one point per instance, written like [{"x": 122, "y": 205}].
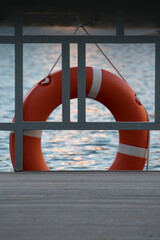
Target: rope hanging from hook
[{"x": 99, "y": 48}]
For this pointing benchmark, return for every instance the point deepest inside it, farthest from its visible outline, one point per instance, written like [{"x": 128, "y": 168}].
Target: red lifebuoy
[{"x": 106, "y": 88}]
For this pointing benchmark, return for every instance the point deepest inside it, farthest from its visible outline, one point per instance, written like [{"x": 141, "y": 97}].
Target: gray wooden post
[{"x": 18, "y": 90}]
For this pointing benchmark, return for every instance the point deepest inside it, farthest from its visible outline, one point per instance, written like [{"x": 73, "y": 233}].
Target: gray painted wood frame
[{"x": 19, "y": 125}]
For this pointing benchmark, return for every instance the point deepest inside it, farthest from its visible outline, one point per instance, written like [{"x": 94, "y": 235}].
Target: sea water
[{"x": 78, "y": 150}]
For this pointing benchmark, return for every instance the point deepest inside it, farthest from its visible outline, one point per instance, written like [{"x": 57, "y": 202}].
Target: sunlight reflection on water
[{"x": 79, "y": 149}]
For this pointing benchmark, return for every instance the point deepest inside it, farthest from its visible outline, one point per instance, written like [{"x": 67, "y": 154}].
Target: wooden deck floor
[{"x": 80, "y": 205}]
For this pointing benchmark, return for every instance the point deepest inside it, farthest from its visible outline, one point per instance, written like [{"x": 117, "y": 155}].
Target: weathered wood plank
[{"x": 80, "y": 205}]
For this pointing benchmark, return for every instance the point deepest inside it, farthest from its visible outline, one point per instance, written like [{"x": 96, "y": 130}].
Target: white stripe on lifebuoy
[
  {"x": 33, "y": 133},
  {"x": 133, "y": 151},
  {"x": 96, "y": 84}
]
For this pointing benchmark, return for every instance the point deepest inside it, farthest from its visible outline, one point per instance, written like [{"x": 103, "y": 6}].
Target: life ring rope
[{"x": 98, "y": 47}]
